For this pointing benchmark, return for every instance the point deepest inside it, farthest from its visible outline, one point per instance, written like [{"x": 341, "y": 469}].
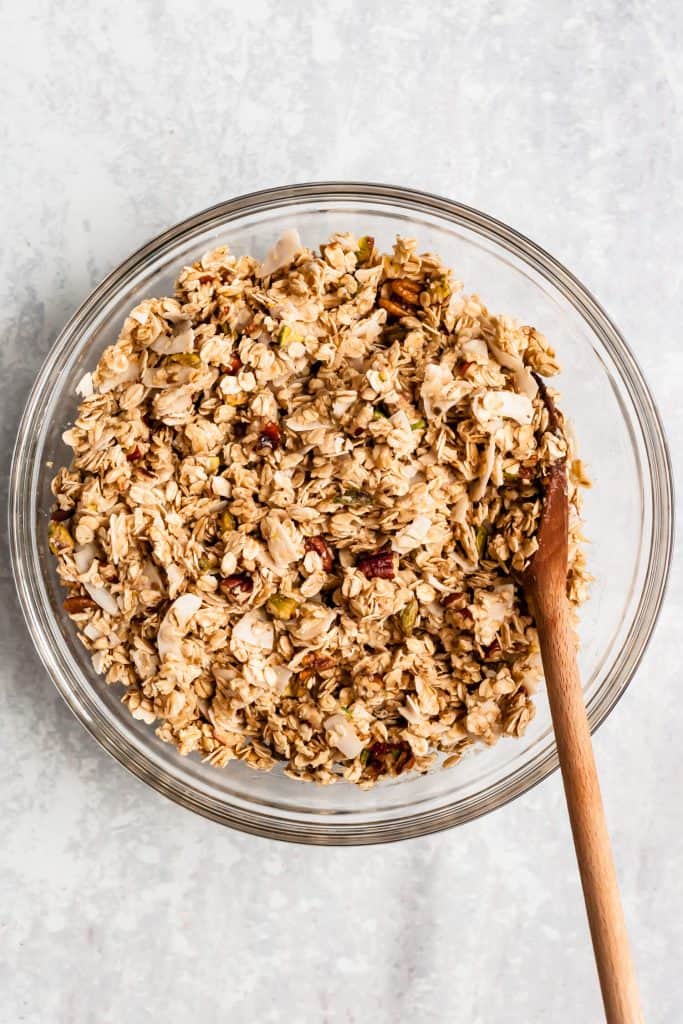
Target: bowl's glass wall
[{"x": 627, "y": 512}]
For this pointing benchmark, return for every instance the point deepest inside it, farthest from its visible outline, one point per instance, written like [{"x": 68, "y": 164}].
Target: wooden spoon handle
[{"x": 586, "y": 812}]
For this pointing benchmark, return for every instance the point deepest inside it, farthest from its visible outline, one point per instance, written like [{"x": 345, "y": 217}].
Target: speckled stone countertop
[{"x": 119, "y": 119}]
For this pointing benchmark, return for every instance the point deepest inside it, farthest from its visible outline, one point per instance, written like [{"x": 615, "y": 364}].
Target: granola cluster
[{"x": 301, "y": 494}]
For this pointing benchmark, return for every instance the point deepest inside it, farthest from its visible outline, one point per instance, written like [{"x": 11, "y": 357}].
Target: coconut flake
[
  {"x": 478, "y": 489},
  {"x": 103, "y": 598},
  {"x": 84, "y": 557},
  {"x": 175, "y": 577},
  {"x": 489, "y": 409},
  {"x": 343, "y": 736},
  {"x": 523, "y": 379},
  {"x": 181, "y": 340},
  {"x": 283, "y": 539},
  {"x": 174, "y": 624},
  {"x": 282, "y": 253},
  {"x": 440, "y": 391},
  {"x": 152, "y": 575},
  {"x": 130, "y": 373},
  {"x": 252, "y": 634},
  {"x": 281, "y": 675},
  {"x": 414, "y": 535},
  {"x": 475, "y": 351},
  {"x": 490, "y": 610},
  {"x": 221, "y": 487},
  {"x": 85, "y": 387}
]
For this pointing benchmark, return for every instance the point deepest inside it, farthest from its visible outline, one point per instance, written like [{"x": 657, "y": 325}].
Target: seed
[{"x": 482, "y": 539}]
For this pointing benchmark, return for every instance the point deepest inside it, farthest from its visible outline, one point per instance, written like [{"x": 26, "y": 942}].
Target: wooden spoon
[{"x": 545, "y": 586}]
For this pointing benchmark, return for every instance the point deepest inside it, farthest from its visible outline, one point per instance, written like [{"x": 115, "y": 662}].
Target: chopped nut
[
  {"x": 233, "y": 367},
  {"x": 240, "y": 585},
  {"x": 354, "y": 496},
  {"x": 408, "y": 617},
  {"x": 60, "y": 515},
  {"x": 185, "y": 358},
  {"x": 77, "y": 605},
  {"x": 379, "y": 565},
  {"x": 227, "y": 521},
  {"x": 393, "y": 307},
  {"x": 270, "y": 436},
  {"x": 320, "y": 545},
  {"x": 405, "y": 290},
  {"x": 282, "y": 607},
  {"x": 287, "y": 336},
  {"x": 366, "y": 244},
  {"x": 59, "y": 538}
]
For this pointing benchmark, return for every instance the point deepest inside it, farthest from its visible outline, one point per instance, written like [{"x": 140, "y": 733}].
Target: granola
[{"x": 301, "y": 496}]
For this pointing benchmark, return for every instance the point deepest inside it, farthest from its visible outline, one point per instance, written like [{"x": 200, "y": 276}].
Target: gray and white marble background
[{"x": 118, "y": 119}]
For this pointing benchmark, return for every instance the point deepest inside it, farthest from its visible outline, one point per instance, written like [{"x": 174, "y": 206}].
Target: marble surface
[{"x": 117, "y": 120}]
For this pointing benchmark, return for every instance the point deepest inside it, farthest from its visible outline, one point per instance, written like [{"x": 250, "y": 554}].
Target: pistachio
[
  {"x": 281, "y": 607},
  {"x": 287, "y": 335},
  {"x": 366, "y": 243},
  {"x": 408, "y": 617},
  {"x": 59, "y": 538},
  {"x": 185, "y": 359},
  {"x": 227, "y": 521}
]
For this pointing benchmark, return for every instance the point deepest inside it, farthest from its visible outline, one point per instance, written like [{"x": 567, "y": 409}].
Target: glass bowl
[{"x": 628, "y": 513}]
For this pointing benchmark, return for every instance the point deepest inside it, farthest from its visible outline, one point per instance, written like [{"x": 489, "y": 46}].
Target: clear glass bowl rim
[{"x": 325, "y": 830}]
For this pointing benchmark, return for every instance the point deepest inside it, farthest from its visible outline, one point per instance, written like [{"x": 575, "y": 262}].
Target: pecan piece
[
  {"x": 392, "y": 757},
  {"x": 405, "y": 290},
  {"x": 233, "y": 366},
  {"x": 60, "y": 515},
  {"x": 240, "y": 585},
  {"x": 76, "y": 605},
  {"x": 320, "y": 545},
  {"x": 270, "y": 437},
  {"x": 393, "y": 307},
  {"x": 378, "y": 565},
  {"x": 314, "y": 663}
]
